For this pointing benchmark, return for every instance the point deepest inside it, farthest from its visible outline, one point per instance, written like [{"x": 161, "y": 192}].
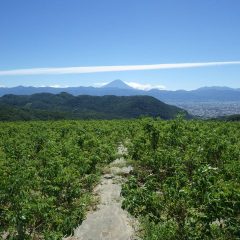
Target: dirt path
[{"x": 109, "y": 221}]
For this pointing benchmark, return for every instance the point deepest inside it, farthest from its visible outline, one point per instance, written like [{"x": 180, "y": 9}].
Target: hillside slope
[{"x": 67, "y": 106}]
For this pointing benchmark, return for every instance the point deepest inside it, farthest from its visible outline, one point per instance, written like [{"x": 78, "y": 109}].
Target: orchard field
[
  {"x": 47, "y": 172},
  {"x": 185, "y": 183}
]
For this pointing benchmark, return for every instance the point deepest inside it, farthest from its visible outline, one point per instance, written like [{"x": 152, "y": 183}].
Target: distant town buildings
[{"x": 210, "y": 109}]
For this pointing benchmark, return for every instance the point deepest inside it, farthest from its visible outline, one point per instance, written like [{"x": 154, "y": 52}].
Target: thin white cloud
[
  {"x": 78, "y": 70},
  {"x": 54, "y": 86},
  {"x": 144, "y": 87},
  {"x": 100, "y": 84},
  {"x": 58, "y": 86}
]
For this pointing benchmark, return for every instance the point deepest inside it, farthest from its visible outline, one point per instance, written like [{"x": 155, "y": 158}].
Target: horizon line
[{"x": 96, "y": 69}]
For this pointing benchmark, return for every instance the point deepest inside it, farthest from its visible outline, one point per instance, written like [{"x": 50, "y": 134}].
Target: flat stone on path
[{"x": 108, "y": 176}]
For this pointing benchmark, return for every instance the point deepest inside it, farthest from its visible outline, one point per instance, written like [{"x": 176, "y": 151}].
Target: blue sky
[{"x": 69, "y": 33}]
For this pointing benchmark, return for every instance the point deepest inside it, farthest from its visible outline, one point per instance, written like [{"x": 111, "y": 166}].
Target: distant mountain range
[
  {"x": 45, "y": 106},
  {"x": 119, "y": 88}
]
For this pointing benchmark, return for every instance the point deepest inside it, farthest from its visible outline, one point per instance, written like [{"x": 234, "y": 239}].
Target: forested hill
[{"x": 66, "y": 106}]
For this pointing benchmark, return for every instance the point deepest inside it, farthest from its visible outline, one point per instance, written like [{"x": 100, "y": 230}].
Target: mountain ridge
[
  {"x": 204, "y": 94},
  {"x": 66, "y": 106}
]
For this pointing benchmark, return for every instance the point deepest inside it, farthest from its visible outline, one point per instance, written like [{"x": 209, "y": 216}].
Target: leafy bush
[
  {"x": 186, "y": 182},
  {"x": 47, "y": 172}
]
